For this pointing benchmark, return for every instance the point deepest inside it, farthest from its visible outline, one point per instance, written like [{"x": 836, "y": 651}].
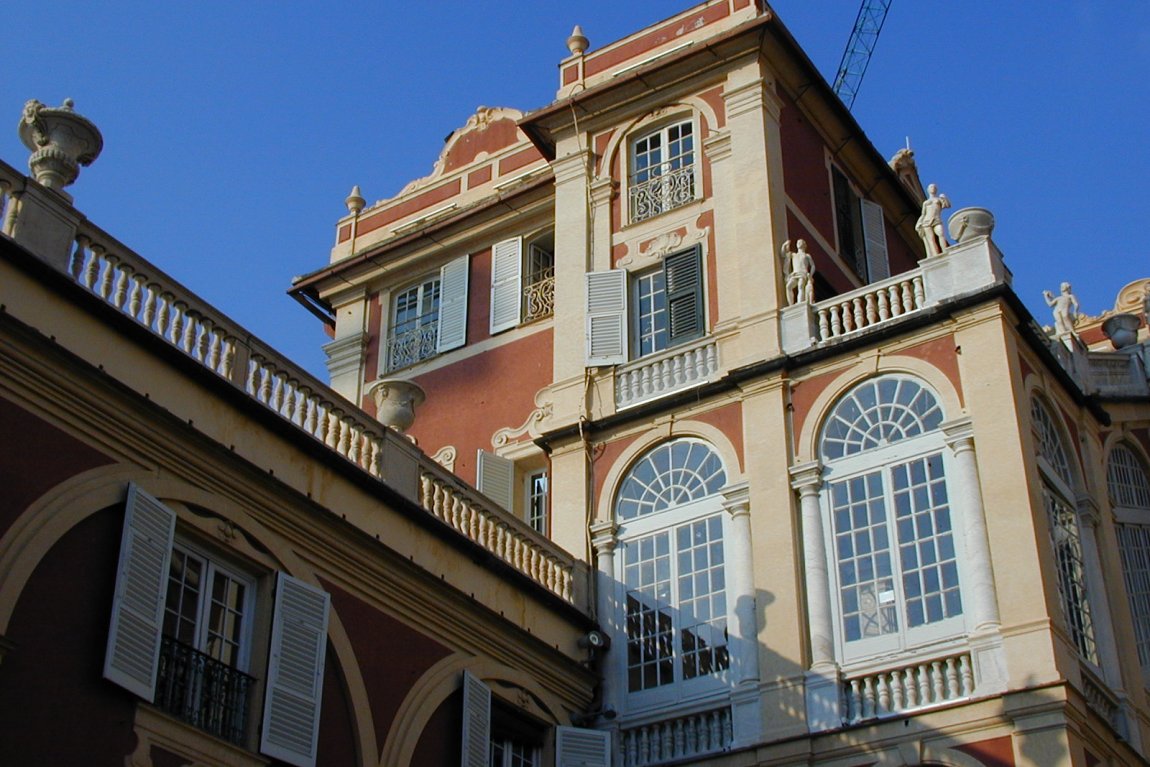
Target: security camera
[{"x": 595, "y": 640}]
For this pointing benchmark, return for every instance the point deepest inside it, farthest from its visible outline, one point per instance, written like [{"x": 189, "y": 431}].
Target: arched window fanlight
[
  {"x": 672, "y": 474},
  {"x": 1049, "y": 441},
  {"x": 877, "y": 413}
]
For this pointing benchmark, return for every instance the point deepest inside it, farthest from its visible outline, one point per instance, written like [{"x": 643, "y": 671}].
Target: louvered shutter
[
  {"x": 476, "y": 722},
  {"x": 606, "y": 317},
  {"x": 452, "y": 305},
  {"x": 295, "y": 672},
  {"x": 133, "y": 652},
  {"x": 874, "y": 234},
  {"x": 496, "y": 479},
  {"x": 506, "y": 283},
  {"x": 579, "y": 747},
  {"x": 684, "y": 280}
]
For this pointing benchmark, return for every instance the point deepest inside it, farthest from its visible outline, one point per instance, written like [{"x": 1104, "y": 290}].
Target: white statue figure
[
  {"x": 800, "y": 270},
  {"x": 929, "y": 224},
  {"x": 1065, "y": 307}
]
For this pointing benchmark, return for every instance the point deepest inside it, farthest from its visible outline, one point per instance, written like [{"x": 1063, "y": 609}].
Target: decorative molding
[
  {"x": 445, "y": 457},
  {"x": 651, "y": 251},
  {"x": 481, "y": 120},
  {"x": 541, "y": 412}
]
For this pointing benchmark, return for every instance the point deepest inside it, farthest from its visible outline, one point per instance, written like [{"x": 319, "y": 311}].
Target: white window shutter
[
  {"x": 295, "y": 672},
  {"x": 580, "y": 747},
  {"x": 495, "y": 477},
  {"x": 452, "y": 305},
  {"x": 506, "y": 284},
  {"x": 874, "y": 233},
  {"x": 476, "y": 721},
  {"x": 133, "y": 652},
  {"x": 606, "y": 317}
]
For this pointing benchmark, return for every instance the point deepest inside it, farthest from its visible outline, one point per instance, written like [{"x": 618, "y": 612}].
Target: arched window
[
  {"x": 1130, "y": 500},
  {"x": 671, "y": 567},
  {"x": 894, "y": 553},
  {"x": 1065, "y": 536}
]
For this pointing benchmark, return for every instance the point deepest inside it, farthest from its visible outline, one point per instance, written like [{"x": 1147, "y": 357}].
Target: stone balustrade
[
  {"x": 1115, "y": 374},
  {"x": 507, "y": 537},
  {"x": 659, "y": 375},
  {"x": 907, "y": 688},
  {"x": 171, "y": 312},
  {"x": 683, "y": 737},
  {"x": 873, "y": 305}
]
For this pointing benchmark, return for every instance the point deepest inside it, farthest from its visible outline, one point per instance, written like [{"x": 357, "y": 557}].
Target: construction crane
[{"x": 872, "y": 13}]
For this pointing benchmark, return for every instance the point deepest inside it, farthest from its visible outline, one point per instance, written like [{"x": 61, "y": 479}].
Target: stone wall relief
[
  {"x": 642, "y": 253},
  {"x": 529, "y": 427}
]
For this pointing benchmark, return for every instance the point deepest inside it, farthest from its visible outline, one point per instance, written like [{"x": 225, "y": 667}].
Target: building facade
[
  {"x": 845, "y": 500},
  {"x": 667, "y": 424}
]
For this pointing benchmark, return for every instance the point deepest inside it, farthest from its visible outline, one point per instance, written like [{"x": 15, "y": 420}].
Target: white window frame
[
  {"x": 537, "y": 502},
  {"x": 668, "y": 520},
  {"x": 447, "y": 320},
  {"x": 884, "y": 461},
  {"x": 648, "y": 198},
  {"x": 857, "y": 458}
]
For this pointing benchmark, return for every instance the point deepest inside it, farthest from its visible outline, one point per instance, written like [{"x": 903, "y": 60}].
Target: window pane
[{"x": 866, "y": 588}]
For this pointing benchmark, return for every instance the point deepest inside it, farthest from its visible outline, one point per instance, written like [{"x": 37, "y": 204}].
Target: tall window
[
  {"x": 662, "y": 170},
  {"x": 204, "y": 649},
  {"x": 896, "y": 557},
  {"x": 1129, "y": 489},
  {"x": 537, "y": 501},
  {"x": 862, "y": 234},
  {"x": 1065, "y": 536},
  {"x": 672, "y": 567}
]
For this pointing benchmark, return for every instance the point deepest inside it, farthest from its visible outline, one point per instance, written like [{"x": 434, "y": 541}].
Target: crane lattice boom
[{"x": 872, "y": 13}]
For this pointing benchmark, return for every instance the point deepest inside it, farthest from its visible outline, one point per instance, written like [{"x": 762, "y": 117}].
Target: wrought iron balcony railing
[
  {"x": 663, "y": 192},
  {"x": 202, "y": 691},
  {"x": 414, "y": 341},
  {"x": 539, "y": 296}
]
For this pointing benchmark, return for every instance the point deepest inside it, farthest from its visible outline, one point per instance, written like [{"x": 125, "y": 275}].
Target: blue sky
[{"x": 234, "y": 130}]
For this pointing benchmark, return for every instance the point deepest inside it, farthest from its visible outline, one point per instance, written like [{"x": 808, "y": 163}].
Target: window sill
[{"x": 157, "y": 730}]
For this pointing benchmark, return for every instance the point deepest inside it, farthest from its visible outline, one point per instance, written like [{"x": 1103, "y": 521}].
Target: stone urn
[
  {"x": 396, "y": 401},
  {"x": 61, "y": 141},
  {"x": 1122, "y": 329},
  {"x": 968, "y": 223}
]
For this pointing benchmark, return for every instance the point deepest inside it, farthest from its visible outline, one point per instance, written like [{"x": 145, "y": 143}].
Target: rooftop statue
[
  {"x": 799, "y": 268},
  {"x": 929, "y": 224},
  {"x": 1065, "y": 309}
]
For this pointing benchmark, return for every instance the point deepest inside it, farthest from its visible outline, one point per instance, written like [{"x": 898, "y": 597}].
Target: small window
[
  {"x": 538, "y": 502},
  {"x": 862, "y": 235},
  {"x": 666, "y": 309},
  {"x": 522, "y": 282},
  {"x": 429, "y": 317},
  {"x": 662, "y": 170}
]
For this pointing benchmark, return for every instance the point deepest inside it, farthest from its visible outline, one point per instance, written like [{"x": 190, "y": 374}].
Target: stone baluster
[
  {"x": 178, "y": 317},
  {"x": 121, "y": 293},
  {"x": 108, "y": 283}
]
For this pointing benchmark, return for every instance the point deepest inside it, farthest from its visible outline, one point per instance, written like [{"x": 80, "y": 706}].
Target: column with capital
[
  {"x": 743, "y": 636},
  {"x": 604, "y": 540},
  {"x": 979, "y": 593},
  {"x": 824, "y": 699}
]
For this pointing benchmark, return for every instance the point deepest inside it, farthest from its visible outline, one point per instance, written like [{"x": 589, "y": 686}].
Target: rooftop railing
[{"x": 169, "y": 311}]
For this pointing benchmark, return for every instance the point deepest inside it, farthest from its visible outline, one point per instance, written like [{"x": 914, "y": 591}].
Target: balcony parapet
[
  {"x": 507, "y": 537},
  {"x": 913, "y": 687},
  {"x": 174, "y": 314},
  {"x": 962, "y": 269},
  {"x": 658, "y": 375},
  {"x": 682, "y": 737}
]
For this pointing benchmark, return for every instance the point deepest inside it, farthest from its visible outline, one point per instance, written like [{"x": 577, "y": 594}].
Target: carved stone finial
[
  {"x": 61, "y": 141},
  {"x": 355, "y": 201},
  {"x": 577, "y": 43}
]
